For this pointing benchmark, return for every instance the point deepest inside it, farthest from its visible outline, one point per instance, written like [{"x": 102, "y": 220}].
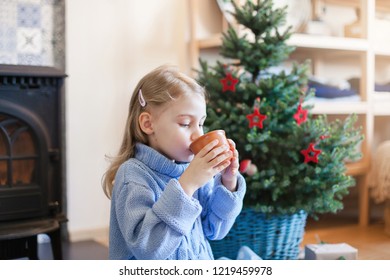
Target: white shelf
[
  {"x": 381, "y": 108},
  {"x": 328, "y": 43},
  {"x": 382, "y": 50},
  {"x": 381, "y": 103},
  {"x": 381, "y": 5},
  {"x": 339, "y": 108},
  {"x": 304, "y": 41}
]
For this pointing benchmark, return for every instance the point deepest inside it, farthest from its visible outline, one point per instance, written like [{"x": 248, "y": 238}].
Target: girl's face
[{"x": 176, "y": 125}]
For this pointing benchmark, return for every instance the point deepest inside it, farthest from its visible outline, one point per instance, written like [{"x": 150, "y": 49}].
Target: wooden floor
[
  {"x": 82, "y": 250},
  {"x": 372, "y": 242}
]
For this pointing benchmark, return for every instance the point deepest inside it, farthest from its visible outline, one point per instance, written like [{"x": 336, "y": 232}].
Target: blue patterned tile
[
  {"x": 47, "y": 17},
  {"x": 29, "y": 40},
  {"x": 8, "y": 58},
  {"x": 37, "y": 2},
  {"x": 29, "y": 59},
  {"x": 29, "y": 15},
  {"x": 50, "y": 2},
  {"x": 32, "y": 32},
  {"x": 8, "y": 13},
  {"x": 7, "y": 39}
]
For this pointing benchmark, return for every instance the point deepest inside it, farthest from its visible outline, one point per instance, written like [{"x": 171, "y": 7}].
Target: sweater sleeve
[
  {"x": 153, "y": 227},
  {"x": 221, "y": 207},
  {"x": 176, "y": 209}
]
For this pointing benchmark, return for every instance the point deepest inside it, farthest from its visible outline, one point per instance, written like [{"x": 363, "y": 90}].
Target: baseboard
[{"x": 98, "y": 234}]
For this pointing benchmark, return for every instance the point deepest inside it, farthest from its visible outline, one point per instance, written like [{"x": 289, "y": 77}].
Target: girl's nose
[{"x": 196, "y": 134}]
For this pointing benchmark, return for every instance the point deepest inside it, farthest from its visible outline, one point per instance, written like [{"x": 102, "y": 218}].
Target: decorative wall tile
[
  {"x": 29, "y": 41},
  {"x": 47, "y": 20},
  {"x": 29, "y": 59},
  {"x": 59, "y": 33},
  {"x": 31, "y": 1},
  {"x": 7, "y": 58},
  {"x": 47, "y": 34},
  {"x": 8, "y": 13},
  {"x": 29, "y": 15},
  {"x": 7, "y": 39},
  {"x": 32, "y": 32}
]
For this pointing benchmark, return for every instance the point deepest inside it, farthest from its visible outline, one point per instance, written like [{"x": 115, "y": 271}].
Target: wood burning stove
[{"x": 31, "y": 151}]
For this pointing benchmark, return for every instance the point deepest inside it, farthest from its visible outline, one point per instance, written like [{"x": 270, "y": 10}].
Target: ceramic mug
[{"x": 203, "y": 140}]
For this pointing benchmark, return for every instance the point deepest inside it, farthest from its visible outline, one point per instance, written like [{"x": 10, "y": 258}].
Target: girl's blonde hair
[{"x": 158, "y": 87}]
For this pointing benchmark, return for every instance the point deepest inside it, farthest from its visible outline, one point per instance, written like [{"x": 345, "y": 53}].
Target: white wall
[{"x": 110, "y": 45}]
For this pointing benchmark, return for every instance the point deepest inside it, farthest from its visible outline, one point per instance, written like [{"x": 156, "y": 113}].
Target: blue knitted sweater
[{"x": 152, "y": 217}]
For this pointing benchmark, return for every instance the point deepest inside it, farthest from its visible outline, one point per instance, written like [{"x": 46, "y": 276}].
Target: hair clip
[{"x": 141, "y": 98}]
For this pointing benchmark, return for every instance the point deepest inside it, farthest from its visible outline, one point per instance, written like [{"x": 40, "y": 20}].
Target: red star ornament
[
  {"x": 256, "y": 119},
  {"x": 311, "y": 154},
  {"x": 301, "y": 115},
  {"x": 229, "y": 83}
]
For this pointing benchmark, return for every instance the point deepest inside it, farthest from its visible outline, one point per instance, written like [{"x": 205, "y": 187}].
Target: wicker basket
[{"x": 272, "y": 238}]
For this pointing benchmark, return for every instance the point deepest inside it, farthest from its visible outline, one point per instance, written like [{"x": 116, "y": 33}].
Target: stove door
[{"x": 23, "y": 164}]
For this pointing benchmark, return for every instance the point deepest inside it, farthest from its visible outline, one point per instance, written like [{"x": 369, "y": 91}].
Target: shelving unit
[{"x": 362, "y": 51}]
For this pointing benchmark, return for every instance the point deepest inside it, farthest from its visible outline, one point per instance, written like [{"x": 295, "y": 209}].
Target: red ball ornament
[
  {"x": 311, "y": 154},
  {"x": 244, "y": 165},
  {"x": 252, "y": 170},
  {"x": 247, "y": 167},
  {"x": 229, "y": 83}
]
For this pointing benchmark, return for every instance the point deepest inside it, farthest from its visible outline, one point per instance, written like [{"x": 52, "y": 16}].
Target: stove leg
[
  {"x": 56, "y": 244},
  {"x": 32, "y": 245}
]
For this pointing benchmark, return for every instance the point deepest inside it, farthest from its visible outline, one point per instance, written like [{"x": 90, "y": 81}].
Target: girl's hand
[
  {"x": 206, "y": 164},
  {"x": 229, "y": 175}
]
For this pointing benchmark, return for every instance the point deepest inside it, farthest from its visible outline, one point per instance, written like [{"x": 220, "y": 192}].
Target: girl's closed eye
[
  {"x": 188, "y": 125},
  {"x": 184, "y": 124}
]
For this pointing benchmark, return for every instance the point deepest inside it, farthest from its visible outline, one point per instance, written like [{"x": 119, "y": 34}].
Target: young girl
[{"x": 166, "y": 202}]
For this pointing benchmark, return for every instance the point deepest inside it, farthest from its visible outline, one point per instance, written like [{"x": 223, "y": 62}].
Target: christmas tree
[{"x": 292, "y": 160}]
